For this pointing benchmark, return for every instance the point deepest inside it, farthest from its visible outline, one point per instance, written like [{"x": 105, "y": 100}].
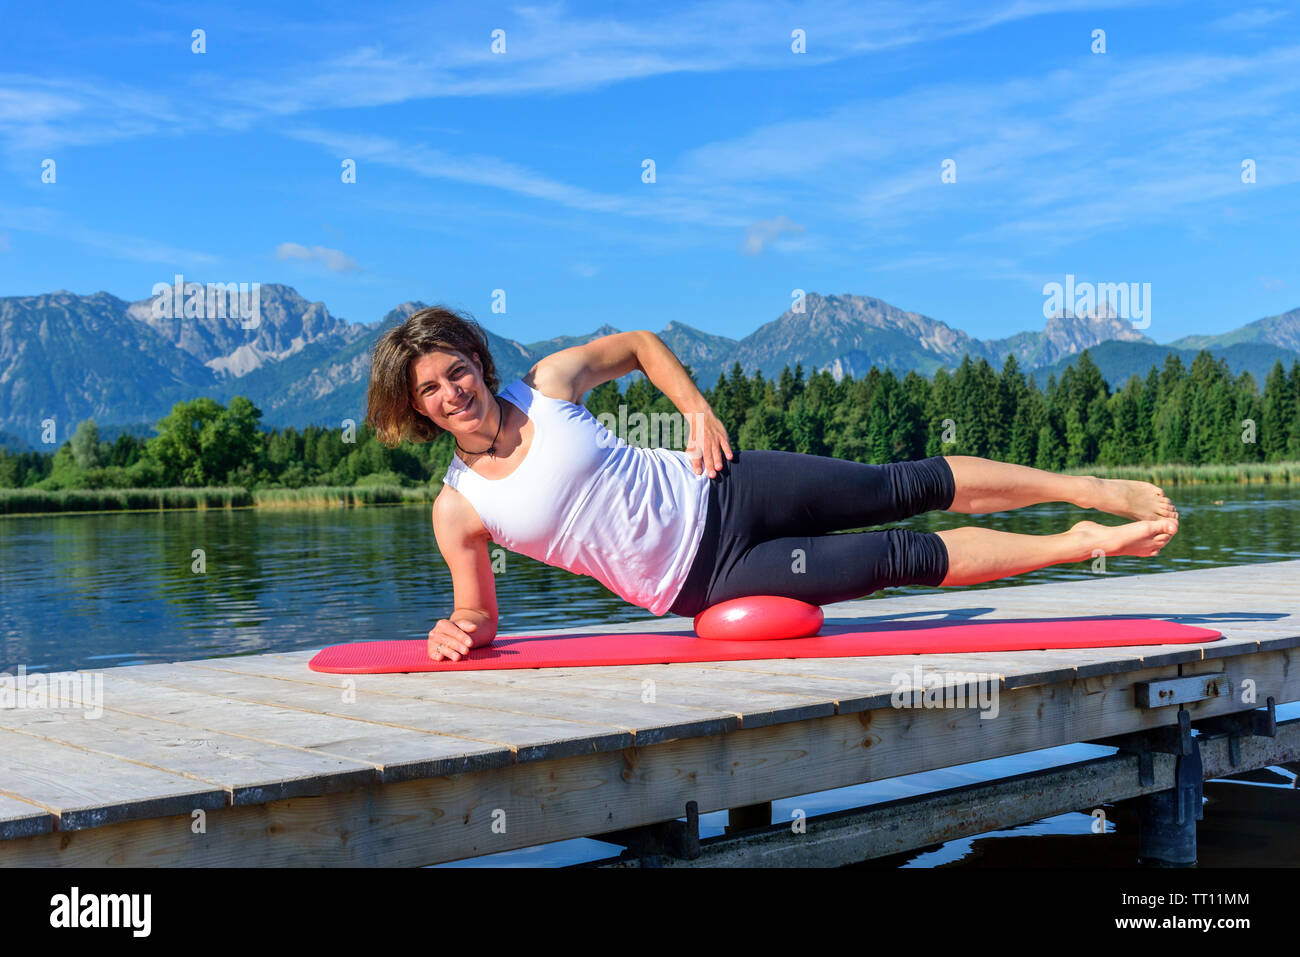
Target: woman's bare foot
[
  {"x": 1144, "y": 538},
  {"x": 1135, "y": 500}
]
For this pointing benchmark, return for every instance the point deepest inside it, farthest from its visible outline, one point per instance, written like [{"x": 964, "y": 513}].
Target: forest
[{"x": 1192, "y": 415}]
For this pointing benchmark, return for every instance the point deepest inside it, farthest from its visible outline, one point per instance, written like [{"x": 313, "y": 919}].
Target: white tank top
[{"x": 586, "y": 501}]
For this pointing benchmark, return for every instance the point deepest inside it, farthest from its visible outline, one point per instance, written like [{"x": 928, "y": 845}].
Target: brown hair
[{"x": 388, "y": 400}]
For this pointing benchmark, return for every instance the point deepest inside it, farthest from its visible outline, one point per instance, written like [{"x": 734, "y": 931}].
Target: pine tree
[
  {"x": 1076, "y": 439},
  {"x": 785, "y": 388},
  {"x": 1248, "y": 412},
  {"x": 10, "y": 473},
  {"x": 850, "y": 423},
  {"x": 1276, "y": 416},
  {"x": 1013, "y": 406},
  {"x": 1051, "y": 453},
  {"x": 1172, "y": 411},
  {"x": 910, "y": 431},
  {"x": 1293, "y": 389},
  {"x": 1144, "y": 443},
  {"x": 1025, "y": 425},
  {"x": 882, "y": 425},
  {"x": 764, "y": 429},
  {"x": 976, "y": 394},
  {"x": 741, "y": 400},
  {"x": 1124, "y": 408},
  {"x": 940, "y": 416}
]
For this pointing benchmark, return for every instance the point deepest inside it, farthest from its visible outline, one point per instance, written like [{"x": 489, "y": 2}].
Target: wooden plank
[
  {"x": 421, "y": 822},
  {"x": 396, "y": 753},
  {"x": 881, "y": 670},
  {"x": 485, "y": 704},
  {"x": 855, "y": 684},
  {"x": 698, "y": 678},
  {"x": 689, "y": 676},
  {"x": 252, "y": 772},
  {"x": 463, "y": 713},
  {"x": 20, "y": 819},
  {"x": 1279, "y": 643},
  {"x": 619, "y": 684},
  {"x": 86, "y": 790},
  {"x": 751, "y": 710}
]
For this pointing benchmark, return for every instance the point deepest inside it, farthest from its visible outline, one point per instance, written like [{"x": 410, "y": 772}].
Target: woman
[{"x": 679, "y": 531}]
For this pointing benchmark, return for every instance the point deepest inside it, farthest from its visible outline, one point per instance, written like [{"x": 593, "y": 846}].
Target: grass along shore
[
  {"x": 23, "y": 501},
  {"x": 1173, "y": 473}
]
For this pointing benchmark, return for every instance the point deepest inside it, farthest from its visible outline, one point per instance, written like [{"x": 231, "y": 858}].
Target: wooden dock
[{"x": 260, "y": 761}]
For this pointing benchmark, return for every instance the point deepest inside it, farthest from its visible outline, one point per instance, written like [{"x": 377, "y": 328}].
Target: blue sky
[{"x": 775, "y": 170}]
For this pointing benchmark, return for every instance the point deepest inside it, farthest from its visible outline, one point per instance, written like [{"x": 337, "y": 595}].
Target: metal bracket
[
  {"x": 1189, "y": 783},
  {"x": 676, "y": 839},
  {"x": 1238, "y": 725}
]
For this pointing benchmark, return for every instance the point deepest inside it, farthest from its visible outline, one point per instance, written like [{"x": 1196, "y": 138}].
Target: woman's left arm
[
  {"x": 571, "y": 373},
  {"x": 708, "y": 437}
]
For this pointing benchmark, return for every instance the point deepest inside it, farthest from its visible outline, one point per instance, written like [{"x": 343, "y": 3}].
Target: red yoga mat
[{"x": 890, "y": 638}]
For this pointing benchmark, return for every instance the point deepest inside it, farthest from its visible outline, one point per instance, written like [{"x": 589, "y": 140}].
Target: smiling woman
[
  {"x": 391, "y": 410},
  {"x": 536, "y": 472}
]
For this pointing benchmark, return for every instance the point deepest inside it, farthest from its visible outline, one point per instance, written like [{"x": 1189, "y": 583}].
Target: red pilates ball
[{"x": 759, "y": 618}]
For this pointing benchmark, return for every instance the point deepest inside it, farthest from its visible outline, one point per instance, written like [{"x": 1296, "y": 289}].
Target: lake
[{"x": 102, "y": 590}]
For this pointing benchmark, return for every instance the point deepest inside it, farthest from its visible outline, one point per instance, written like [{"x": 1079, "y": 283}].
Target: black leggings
[{"x": 770, "y": 515}]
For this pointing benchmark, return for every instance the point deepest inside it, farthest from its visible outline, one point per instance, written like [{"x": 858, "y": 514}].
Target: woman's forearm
[
  {"x": 667, "y": 373},
  {"x": 707, "y": 444}
]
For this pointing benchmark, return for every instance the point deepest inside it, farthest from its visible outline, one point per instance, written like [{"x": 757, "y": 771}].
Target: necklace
[{"x": 491, "y": 449}]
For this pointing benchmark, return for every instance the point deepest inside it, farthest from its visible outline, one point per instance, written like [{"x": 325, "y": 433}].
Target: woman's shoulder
[
  {"x": 455, "y": 516},
  {"x": 551, "y": 381}
]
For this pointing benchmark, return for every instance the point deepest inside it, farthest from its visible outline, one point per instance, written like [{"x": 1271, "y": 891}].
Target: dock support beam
[{"x": 1167, "y": 819}]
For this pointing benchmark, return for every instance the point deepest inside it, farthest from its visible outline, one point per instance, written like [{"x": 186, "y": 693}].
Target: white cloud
[
  {"x": 1092, "y": 145},
  {"x": 1251, "y": 19},
  {"x": 548, "y": 51},
  {"x": 765, "y": 231},
  {"x": 655, "y": 200},
  {"x": 40, "y": 113},
  {"x": 551, "y": 51},
  {"x": 331, "y": 259}
]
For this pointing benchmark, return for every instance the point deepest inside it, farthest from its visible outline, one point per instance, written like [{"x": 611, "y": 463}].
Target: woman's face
[{"x": 449, "y": 388}]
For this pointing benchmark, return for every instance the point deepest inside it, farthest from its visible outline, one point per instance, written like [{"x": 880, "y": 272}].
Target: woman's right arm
[{"x": 463, "y": 541}]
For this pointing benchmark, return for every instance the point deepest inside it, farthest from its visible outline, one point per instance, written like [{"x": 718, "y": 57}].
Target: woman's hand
[
  {"x": 452, "y": 639},
  {"x": 708, "y": 443}
]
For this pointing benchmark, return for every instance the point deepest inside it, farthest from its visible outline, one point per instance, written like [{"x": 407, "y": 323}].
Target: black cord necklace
[{"x": 491, "y": 449}]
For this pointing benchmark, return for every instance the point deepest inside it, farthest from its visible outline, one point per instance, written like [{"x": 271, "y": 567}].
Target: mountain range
[{"x": 70, "y": 357}]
